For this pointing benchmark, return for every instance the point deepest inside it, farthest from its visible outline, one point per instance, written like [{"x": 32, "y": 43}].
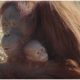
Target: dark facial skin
[
  {"x": 11, "y": 43},
  {"x": 13, "y": 47},
  {"x": 12, "y": 18}
]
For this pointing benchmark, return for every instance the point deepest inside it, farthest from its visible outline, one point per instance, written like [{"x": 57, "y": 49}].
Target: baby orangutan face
[{"x": 36, "y": 52}]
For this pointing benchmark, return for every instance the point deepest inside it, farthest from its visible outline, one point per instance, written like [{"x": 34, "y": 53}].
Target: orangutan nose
[{"x": 6, "y": 48}]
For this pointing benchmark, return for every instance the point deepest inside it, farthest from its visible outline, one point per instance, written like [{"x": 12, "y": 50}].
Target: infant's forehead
[
  {"x": 35, "y": 45},
  {"x": 11, "y": 13}
]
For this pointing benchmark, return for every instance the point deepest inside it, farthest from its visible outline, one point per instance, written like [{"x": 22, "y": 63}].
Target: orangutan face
[
  {"x": 11, "y": 44},
  {"x": 36, "y": 52},
  {"x": 12, "y": 19}
]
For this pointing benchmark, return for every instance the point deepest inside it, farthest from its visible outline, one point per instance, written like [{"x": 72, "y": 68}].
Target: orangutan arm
[{"x": 46, "y": 71}]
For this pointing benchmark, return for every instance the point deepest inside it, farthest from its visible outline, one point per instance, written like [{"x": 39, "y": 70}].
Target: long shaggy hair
[
  {"x": 61, "y": 25},
  {"x": 58, "y": 23}
]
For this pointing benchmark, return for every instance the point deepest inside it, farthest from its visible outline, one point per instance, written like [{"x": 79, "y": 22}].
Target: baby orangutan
[{"x": 35, "y": 51}]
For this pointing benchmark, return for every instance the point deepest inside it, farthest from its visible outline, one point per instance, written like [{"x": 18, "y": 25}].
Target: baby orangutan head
[{"x": 36, "y": 52}]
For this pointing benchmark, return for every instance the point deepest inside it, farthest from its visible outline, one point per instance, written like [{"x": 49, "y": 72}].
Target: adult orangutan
[{"x": 50, "y": 24}]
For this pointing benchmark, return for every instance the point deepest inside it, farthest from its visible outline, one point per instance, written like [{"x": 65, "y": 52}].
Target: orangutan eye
[
  {"x": 13, "y": 23},
  {"x": 5, "y": 23},
  {"x": 7, "y": 35},
  {"x": 39, "y": 53}
]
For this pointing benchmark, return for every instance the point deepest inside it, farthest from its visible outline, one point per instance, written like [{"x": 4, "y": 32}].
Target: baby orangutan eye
[{"x": 38, "y": 52}]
